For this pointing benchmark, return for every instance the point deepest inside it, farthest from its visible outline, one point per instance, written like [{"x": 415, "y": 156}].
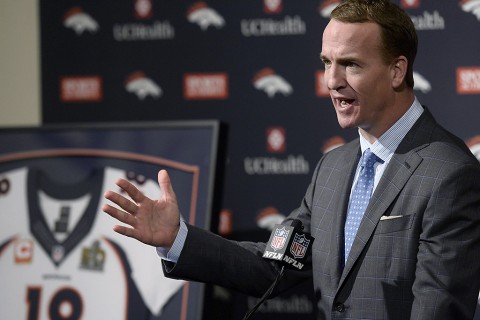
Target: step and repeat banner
[{"x": 254, "y": 65}]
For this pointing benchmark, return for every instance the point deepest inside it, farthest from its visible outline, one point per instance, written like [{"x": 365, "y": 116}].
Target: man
[{"x": 413, "y": 253}]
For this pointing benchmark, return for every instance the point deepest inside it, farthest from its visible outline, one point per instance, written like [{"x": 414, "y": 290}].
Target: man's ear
[{"x": 399, "y": 71}]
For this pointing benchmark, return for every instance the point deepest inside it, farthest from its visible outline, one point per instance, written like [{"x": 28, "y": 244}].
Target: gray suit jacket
[{"x": 417, "y": 251}]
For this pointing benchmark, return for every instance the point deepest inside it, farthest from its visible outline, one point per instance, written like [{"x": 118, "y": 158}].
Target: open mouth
[{"x": 345, "y": 102}]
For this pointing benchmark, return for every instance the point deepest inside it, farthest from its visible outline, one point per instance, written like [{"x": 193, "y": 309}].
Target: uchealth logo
[
  {"x": 326, "y": 7},
  {"x": 143, "y": 9},
  {"x": 421, "y": 83},
  {"x": 79, "y": 21},
  {"x": 286, "y": 26},
  {"x": 138, "y": 84},
  {"x": 275, "y": 165},
  {"x": 205, "y": 86},
  {"x": 271, "y": 83},
  {"x": 410, "y": 4},
  {"x": 272, "y": 6},
  {"x": 321, "y": 88},
  {"x": 204, "y": 16},
  {"x": 471, "y": 6},
  {"x": 468, "y": 80},
  {"x": 429, "y": 21},
  {"x": 276, "y": 140},
  {"x": 81, "y": 89},
  {"x": 145, "y": 28}
]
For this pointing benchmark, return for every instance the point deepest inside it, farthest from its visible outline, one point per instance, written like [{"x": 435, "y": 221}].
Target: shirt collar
[{"x": 385, "y": 146}]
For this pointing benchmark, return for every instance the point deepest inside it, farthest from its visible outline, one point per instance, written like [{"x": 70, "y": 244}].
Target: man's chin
[{"x": 344, "y": 122}]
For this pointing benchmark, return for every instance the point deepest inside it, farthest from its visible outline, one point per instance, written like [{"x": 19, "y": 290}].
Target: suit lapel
[
  {"x": 342, "y": 193},
  {"x": 400, "y": 168},
  {"x": 399, "y": 171}
]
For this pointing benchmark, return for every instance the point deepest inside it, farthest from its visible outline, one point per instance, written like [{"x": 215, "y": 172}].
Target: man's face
[{"x": 359, "y": 80}]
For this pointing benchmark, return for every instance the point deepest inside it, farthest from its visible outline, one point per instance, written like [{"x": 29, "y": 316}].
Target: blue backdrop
[{"x": 254, "y": 65}]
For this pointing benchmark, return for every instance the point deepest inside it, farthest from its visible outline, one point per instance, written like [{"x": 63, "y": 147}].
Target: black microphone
[{"x": 289, "y": 245}]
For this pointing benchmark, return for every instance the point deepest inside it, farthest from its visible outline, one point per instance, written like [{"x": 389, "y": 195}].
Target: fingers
[
  {"x": 131, "y": 190},
  {"x": 124, "y": 217},
  {"x": 118, "y": 214},
  {"x": 129, "y": 232},
  {"x": 121, "y": 201},
  {"x": 165, "y": 183}
]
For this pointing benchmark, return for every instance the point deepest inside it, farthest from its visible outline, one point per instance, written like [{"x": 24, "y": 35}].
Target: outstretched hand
[{"x": 154, "y": 222}]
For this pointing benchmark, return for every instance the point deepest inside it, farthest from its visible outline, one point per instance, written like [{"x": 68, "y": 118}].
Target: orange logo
[
  {"x": 143, "y": 9},
  {"x": 272, "y": 6},
  {"x": 79, "y": 21},
  {"x": 276, "y": 140},
  {"x": 23, "y": 251},
  {"x": 332, "y": 143},
  {"x": 472, "y": 6},
  {"x": 225, "y": 222},
  {"x": 410, "y": 4},
  {"x": 271, "y": 83},
  {"x": 468, "y": 80},
  {"x": 81, "y": 89},
  {"x": 327, "y": 6},
  {"x": 201, "y": 14},
  {"x": 205, "y": 86}
]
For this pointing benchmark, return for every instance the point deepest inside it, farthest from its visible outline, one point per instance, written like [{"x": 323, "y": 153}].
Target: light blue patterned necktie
[{"x": 360, "y": 198}]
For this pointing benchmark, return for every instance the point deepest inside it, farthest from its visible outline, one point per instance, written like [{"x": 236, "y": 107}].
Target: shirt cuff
[{"x": 172, "y": 254}]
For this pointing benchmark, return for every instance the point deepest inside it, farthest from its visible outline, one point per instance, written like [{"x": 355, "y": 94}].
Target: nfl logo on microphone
[
  {"x": 279, "y": 238},
  {"x": 299, "y": 246}
]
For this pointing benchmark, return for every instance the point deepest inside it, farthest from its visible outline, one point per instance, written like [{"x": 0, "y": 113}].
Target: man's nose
[{"x": 335, "y": 78}]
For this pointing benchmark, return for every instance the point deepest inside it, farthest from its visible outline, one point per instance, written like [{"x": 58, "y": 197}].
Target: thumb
[{"x": 165, "y": 183}]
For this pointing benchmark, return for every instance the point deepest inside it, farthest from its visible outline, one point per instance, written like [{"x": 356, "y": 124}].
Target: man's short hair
[{"x": 398, "y": 34}]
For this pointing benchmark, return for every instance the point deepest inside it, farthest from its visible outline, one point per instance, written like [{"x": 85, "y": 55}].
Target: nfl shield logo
[
  {"x": 299, "y": 246},
  {"x": 279, "y": 238},
  {"x": 57, "y": 254}
]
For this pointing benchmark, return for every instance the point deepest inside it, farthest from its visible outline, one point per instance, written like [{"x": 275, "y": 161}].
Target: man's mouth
[{"x": 345, "y": 102}]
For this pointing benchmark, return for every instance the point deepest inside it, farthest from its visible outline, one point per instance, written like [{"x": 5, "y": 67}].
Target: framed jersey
[{"x": 59, "y": 258}]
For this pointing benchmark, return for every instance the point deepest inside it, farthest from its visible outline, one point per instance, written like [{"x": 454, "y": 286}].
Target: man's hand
[{"x": 154, "y": 222}]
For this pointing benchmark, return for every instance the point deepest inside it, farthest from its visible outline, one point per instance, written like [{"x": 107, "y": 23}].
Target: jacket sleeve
[
  {"x": 209, "y": 258},
  {"x": 448, "y": 260}
]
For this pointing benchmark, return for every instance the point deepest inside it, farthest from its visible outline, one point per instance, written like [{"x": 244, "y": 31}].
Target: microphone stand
[{"x": 266, "y": 295}]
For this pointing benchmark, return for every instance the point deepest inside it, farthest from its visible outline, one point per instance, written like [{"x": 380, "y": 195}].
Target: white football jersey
[{"x": 60, "y": 258}]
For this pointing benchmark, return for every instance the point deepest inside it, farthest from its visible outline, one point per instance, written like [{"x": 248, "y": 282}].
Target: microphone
[{"x": 289, "y": 245}]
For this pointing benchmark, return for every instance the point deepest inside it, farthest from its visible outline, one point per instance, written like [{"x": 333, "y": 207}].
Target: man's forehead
[{"x": 351, "y": 35}]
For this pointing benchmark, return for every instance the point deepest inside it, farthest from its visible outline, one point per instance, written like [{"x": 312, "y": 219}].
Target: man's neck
[{"x": 402, "y": 103}]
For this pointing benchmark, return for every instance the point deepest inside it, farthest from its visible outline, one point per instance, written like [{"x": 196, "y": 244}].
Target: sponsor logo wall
[{"x": 255, "y": 66}]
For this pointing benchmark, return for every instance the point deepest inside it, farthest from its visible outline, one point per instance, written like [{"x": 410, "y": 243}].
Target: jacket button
[{"x": 339, "y": 307}]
